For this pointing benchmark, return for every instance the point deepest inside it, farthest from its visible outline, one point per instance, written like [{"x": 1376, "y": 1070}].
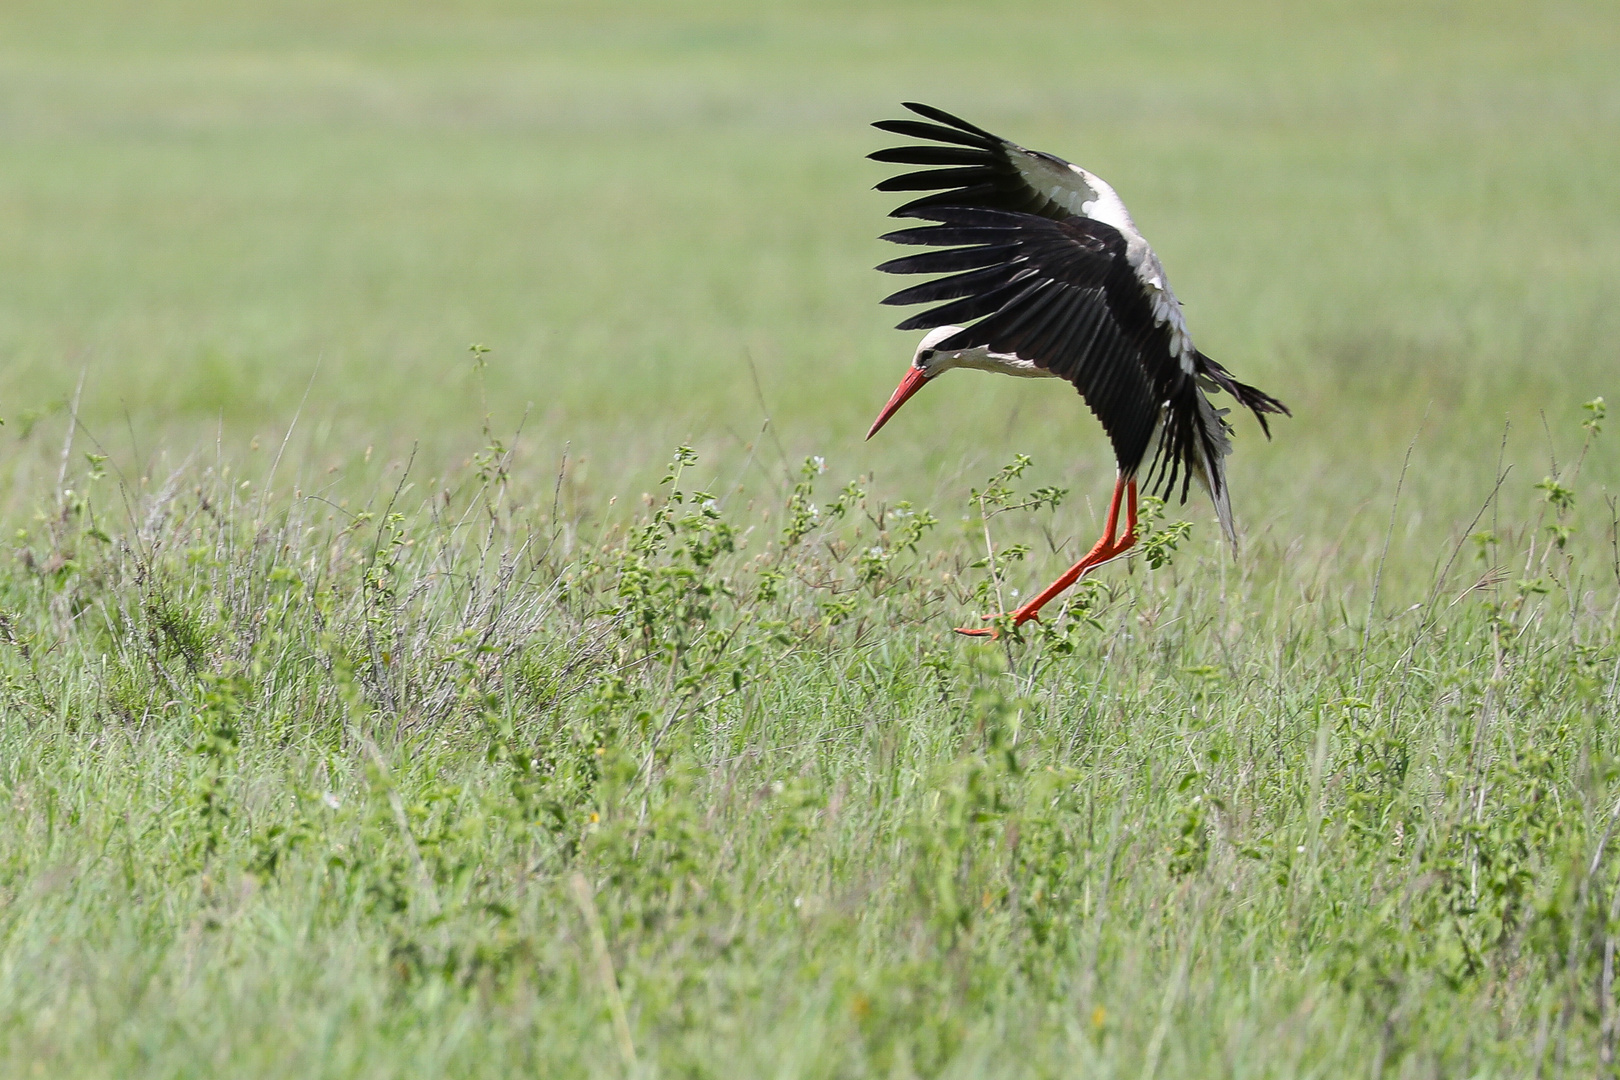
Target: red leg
[{"x": 1105, "y": 549}]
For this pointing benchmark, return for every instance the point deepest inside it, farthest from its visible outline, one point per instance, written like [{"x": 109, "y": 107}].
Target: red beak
[{"x": 913, "y": 382}]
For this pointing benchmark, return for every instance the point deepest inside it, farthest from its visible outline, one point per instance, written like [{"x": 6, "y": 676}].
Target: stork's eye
[{"x": 925, "y": 355}]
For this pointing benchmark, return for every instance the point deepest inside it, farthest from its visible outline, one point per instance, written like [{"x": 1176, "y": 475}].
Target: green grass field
[{"x": 373, "y": 707}]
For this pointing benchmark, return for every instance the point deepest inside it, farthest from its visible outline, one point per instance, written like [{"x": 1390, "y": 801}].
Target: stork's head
[{"x": 925, "y": 364}]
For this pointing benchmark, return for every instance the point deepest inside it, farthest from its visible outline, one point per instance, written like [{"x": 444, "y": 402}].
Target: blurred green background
[{"x": 1392, "y": 215}]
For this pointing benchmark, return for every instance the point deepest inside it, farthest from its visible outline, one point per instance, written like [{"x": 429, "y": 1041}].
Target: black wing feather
[
  {"x": 1010, "y": 294},
  {"x": 1052, "y": 293},
  {"x": 975, "y": 168},
  {"x": 943, "y": 262},
  {"x": 915, "y": 129},
  {"x": 938, "y": 178},
  {"x": 946, "y": 118},
  {"x": 944, "y": 235},
  {"x": 950, "y": 288},
  {"x": 1255, "y": 400},
  {"x": 929, "y": 155}
]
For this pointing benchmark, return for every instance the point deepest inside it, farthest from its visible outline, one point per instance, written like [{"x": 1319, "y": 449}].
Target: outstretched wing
[
  {"x": 1046, "y": 257},
  {"x": 976, "y": 168},
  {"x": 1059, "y": 294}
]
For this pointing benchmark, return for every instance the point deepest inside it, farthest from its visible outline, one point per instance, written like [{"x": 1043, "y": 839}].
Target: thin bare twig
[
  {"x": 264, "y": 492},
  {"x": 759, "y": 395},
  {"x": 1389, "y": 535},
  {"x": 604, "y": 968},
  {"x": 424, "y": 878},
  {"x": 67, "y": 439}
]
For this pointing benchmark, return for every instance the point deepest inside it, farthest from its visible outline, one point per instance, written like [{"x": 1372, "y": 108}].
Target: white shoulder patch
[
  {"x": 1065, "y": 184},
  {"x": 1088, "y": 195},
  {"x": 1166, "y": 309}
]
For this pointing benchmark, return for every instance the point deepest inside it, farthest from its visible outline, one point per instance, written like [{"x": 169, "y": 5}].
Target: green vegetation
[{"x": 373, "y": 707}]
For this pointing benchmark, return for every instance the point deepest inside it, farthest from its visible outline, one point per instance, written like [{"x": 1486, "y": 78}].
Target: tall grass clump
[{"x": 463, "y": 782}]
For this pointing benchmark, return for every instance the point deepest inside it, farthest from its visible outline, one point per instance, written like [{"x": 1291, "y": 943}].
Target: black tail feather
[{"x": 1252, "y": 398}]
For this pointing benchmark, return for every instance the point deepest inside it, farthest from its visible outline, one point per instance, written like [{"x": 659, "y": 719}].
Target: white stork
[{"x": 1045, "y": 256}]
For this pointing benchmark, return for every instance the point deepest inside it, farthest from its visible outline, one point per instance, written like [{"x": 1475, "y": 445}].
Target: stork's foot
[
  {"x": 1105, "y": 549},
  {"x": 1019, "y": 618}
]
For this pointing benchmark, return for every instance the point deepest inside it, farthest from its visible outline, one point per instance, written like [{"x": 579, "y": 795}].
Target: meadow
[{"x": 453, "y": 627}]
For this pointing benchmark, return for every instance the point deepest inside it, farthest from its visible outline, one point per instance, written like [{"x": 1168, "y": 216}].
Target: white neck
[{"x": 934, "y": 361}]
